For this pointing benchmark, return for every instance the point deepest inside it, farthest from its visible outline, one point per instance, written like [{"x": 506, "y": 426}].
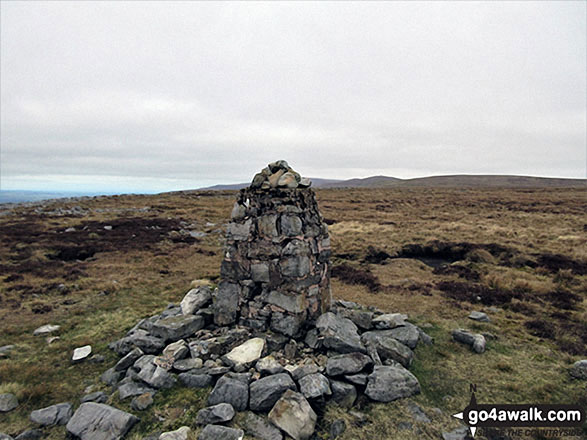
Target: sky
[{"x": 160, "y": 96}]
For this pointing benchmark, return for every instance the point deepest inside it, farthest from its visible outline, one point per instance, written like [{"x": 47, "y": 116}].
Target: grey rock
[
  {"x": 407, "y": 334},
  {"x": 223, "y": 412},
  {"x": 239, "y": 211},
  {"x": 98, "y": 396},
  {"x": 5, "y": 436},
  {"x": 129, "y": 359},
  {"x": 46, "y": 329},
  {"x": 97, "y": 421},
  {"x": 217, "y": 432},
  {"x": 269, "y": 365},
  {"x": 425, "y": 338},
  {"x": 157, "y": 377},
  {"x": 388, "y": 347},
  {"x": 389, "y": 321},
  {"x": 246, "y": 353},
  {"x": 111, "y": 376},
  {"x": 130, "y": 388},
  {"x": 291, "y": 225},
  {"x": 404, "y": 426},
  {"x": 417, "y": 412},
  {"x": 195, "y": 380},
  {"x": 349, "y": 363},
  {"x": 288, "y": 325},
  {"x": 176, "y": 351},
  {"x": 479, "y": 316},
  {"x": 474, "y": 340},
  {"x": 344, "y": 394},
  {"x": 461, "y": 433},
  {"x": 388, "y": 383},
  {"x": 268, "y": 226},
  {"x": 260, "y": 272},
  {"x": 140, "y": 338},
  {"x": 226, "y": 305},
  {"x": 579, "y": 370},
  {"x": 265, "y": 392},
  {"x": 340, "y": 334},
  {"x": 314, "y": 386},
  {"x": 288, "y": 180},
  {"x": 303, "y": 370},
  {"x": 29, "y": 434},
  {"x": 8, "y": 402},
  {"x": 337, "y": 428},
  {"x": 58, "y": 414},
  {"x": 5, "y": 350},
  {"x": 195, "y": 299},
  {"x": 238, "y": 231},
  {"x": 179, "y": 434},
  {"x": 230, "y": 390},
  {"x": 142, "y": 401},
  {"x": 357, "y": 379},
  {"x": 187, "y": 364},
  {"x": 177, "y": 327},
  {"x": 304, "y": 182},
  {"x": 296, "y": 266},
  {"x": 293, "y": 303},
  {"x": 293, "y": 414},
  {"x": 260, "y": 428}
]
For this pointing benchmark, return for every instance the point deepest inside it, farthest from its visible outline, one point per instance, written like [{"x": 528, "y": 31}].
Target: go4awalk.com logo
[{"x": 477, "y": 415}]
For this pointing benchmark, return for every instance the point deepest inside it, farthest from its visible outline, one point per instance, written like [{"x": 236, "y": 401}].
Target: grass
[{"x": 527, "y": 266}]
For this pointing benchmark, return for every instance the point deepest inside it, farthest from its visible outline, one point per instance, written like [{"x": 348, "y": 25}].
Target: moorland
[{"x": 96, "y": 265}]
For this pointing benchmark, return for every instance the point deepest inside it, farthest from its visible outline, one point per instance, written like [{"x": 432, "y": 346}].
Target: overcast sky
[{"x": 114, "y": 96}]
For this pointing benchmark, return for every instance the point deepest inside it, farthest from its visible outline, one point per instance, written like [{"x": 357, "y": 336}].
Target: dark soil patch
[
  {"x": 350, "y": 275},
  {"x": 540, "y": 328},
  {"x": 73, "y": 253},
  {"x": 474, "y": 293},
  {"x": 329, "y": 221},
  {"x": 563, "y": 299},
  {"x": 375, "y": 255},
  {"x": 460, "y": 271},
  {"x": 556, "y": 262}
]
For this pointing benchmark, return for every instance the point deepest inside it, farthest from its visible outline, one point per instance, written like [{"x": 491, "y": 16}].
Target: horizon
[{"x": 197, "y": 94}]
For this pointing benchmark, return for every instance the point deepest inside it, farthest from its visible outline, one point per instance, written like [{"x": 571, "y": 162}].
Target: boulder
[
  {"x": 388, "y": 383},
  {"x": 111, "y": 376},
  {"x": 223, "y": 412},
  {"x": 265, "y": 392},
  {"x": 179, "y": 434},
  {"x": 245, "y": 354},
  {"x": 389, "y": 321},
  {"x": 98, "y": 396},
  {"x": 58, "y": 414},
  {"x": 8, "y": 402},
  {"x": 81, "y": 353},
  {"x": 29, "y": 434},
  {"x": 157, "y": 377},
  {"x": 479, "y": 316},
  {"x": 314, "y": 386},
  {"x": 407, "y": 334},
  {"x": 348, "y": 363},
  {"x": 129, "y": 359},
  {"x": 474, "y": 340},
  {"x": 226, "y": 305},
  {"x": 131, "y": 388},
  {"x": 259, "y": 428},
  {"x": 195, "y": 299},
  {"x": 293, "y": 414},
  {"x": 188, "y": 364},
  {"x": 140, "y": 338},
  {"x": 579, "y": 370},
  {"x": 230, "y": 389},
  {"x": 142, "y": 401},
  {"x": 344, "y": 394},
  {"x": 192, "y": 380},
  {"x": 388, "y": 347},
  {"x": 218, "y": 432},
  {"x": 337, "y": 428},
  {"x": 269, "y": 365},
  {"x": 97, "y": 421},
  {"x": 339, "y": 334},
  {"x": 176, "y": 351},
  {"x": 174, "y": 328}
]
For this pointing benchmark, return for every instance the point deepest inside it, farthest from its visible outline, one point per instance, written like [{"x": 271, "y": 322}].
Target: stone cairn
[{"x": 266, "y": 341}]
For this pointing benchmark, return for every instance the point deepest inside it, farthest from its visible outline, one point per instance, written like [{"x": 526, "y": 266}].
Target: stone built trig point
[{"x": 276, "y": 268}]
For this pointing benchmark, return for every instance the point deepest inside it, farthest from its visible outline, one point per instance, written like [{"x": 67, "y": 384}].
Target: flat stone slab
[
  {"x": 265, "y": 392},
  {"x": 81, "y": 353},
  {"x": 293, "y": 414},
  {"x": 388, "y": 383},
  {"x": 340, "y": 334},
  {"x": 58, "y": 414},
  {"x": 349, "y": 363},
  {"x": 177, "y": 327},
  {"x": 179, "y": 434},
  {"x": 217, "y": 432},
  {"x": 46, "y": 329},
  {"x": 479, "y": 316},
  {"x": 97, "y": 421},
  {"x": 246, "y": 353},
  {"x": 314, "y": 386},
  {"x": 8, "y": 402},
  {"x": 389, "y": 321},
  {"x": 223, "y": 412}
]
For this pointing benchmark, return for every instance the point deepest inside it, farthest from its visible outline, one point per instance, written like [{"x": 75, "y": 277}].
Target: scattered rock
[
  {"x": 474, "y": 340},
  {"x": 140, "y": 338},
  {"x": 29, "y": 434},
  {"x": 344, "y": 394},
  {"x": 157, "y": 377},
  {"x": 349, "y": 363},
  {"x": 388, "y": 383},
  {"x": 192, "y": 380},
  {"x": 479, "y": 316},
  {"x": 111, "y": 376},
  {"x": 260, "y": 428},
  {"x": 388, "y": 347},
  {"x": 461, "y": 433},
  {"x": 188, "y": 364},
  {"x": 142, "y": 401},
  {"x": 269, "y": 365},
  {"x": 417, "y": 413},
  {"x": 340, "y": 334},
  {"x": 407, "y": 334},
  {"x": 217, "y": 432},
  {"x": 52, "y": 339},
  {"x": 176, "y": 351},
  {"x": 579, "y": 369},
  {"x": 97, "y": 421},
  {"x": 8, "y": 402},
  {"x": 231, "y": 390},
  {"x": 5, "y": 350},
  {"x": 179, "y": 434},
  {"x": 223, "y": 412},
  {"x": 81, "y": 353},
  {"x": 98, "y": 396},
  {"x": 178, "y": 327},
  {"x": 293, "y": 414},
  {"x": 389, "y": 321},
  {"x": 129, "y": 359},
  {"x": 196, "y": 299},
  {"x": 265, "y": 392},
  {"x": 5, "y": 436},
  {"x": 58, "y": 414},
  {"x": 314, "y": 386},
  {"x": 46, "y": 329},
  {"x": 337, "y": 428}
]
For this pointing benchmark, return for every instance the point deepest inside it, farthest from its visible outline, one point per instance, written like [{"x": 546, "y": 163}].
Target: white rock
[
  {"x": 195, "y": 299},
  {"x": 46, "y": 329},
  {"x": 246, "y": 353},
  {"x": 80, "y": 353},
  {"x": 179, "y": 434},
  {"x": 389, "y": 320}
]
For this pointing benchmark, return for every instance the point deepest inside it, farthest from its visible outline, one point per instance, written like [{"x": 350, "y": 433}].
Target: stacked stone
[{"x": 275, "y": 272}]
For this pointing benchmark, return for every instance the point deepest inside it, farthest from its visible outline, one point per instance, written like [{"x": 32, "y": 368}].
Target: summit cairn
[{"x": 276, "y": 270}]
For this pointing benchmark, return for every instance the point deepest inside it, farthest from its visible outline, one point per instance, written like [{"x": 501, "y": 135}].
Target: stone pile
[{"x": 275, "y": 272}]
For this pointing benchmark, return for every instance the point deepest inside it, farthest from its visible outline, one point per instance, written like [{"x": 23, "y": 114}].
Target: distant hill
[
  {"x": 455, "y": 181},
  {"x": 35, "y": 196}
]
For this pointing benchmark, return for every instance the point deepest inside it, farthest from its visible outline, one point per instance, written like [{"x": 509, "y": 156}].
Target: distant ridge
[{"x": 453, "y": 181}]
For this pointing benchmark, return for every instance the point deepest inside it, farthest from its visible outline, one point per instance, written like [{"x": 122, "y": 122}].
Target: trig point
[{"x": 276, "y": 268}]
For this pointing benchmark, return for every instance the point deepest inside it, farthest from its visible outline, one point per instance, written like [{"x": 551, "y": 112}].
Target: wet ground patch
[{"x": 351, "y": 275}]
